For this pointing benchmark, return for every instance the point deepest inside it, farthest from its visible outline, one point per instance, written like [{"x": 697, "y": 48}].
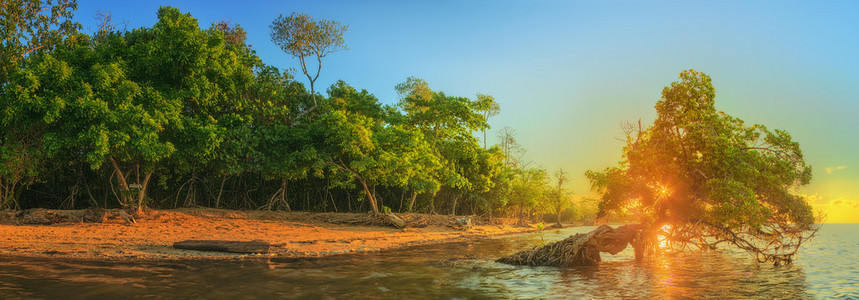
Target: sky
[{"x": 568, "y": 73}]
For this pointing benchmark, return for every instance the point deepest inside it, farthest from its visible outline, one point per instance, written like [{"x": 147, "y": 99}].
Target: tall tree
[
  {"x": 558, "y": 196},
  {"x": 513, "y": 151},
  {"x": 489, "y": 108},
  {"x": 302, "y": 37},
  {"x": 700, "y": 178}
]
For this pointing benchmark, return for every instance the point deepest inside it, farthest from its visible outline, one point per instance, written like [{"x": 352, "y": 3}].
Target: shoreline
[{"x": 292, "y": 235}]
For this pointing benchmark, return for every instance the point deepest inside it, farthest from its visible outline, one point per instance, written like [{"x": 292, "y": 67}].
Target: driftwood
[
  {"x": 463, "y": 223},
  {"x": 99, "y": 215},
  {"x": 393, "y": 220},
  {"x": 224, "y": 246},
  {"x": 579, "y": 250},
  {"x": 95, "y": 215},
  {"x": 37, "y": 216}
]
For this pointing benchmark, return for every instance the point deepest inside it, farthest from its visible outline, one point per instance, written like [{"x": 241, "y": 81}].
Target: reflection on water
[{"x": 827, "y": 269}]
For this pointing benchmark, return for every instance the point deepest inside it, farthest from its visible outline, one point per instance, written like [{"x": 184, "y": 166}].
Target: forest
[{"x": 179, "y": 115}]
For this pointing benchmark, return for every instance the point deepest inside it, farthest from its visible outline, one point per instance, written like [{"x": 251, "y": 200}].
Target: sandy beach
[{"x": 291, "y": 234}]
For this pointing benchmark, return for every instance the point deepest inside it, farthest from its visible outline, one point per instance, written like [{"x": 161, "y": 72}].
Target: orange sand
[{"x": 292, "y": 234}]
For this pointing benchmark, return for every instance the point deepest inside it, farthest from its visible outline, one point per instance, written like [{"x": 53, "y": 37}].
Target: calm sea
[{"x": 827, "y": 268}]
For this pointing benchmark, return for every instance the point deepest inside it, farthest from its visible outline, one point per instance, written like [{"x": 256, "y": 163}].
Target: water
[{"x": 827, "y": 268}]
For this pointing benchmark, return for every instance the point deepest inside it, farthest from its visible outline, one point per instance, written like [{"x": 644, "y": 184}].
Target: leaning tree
[{"x": 700, "y": 178}]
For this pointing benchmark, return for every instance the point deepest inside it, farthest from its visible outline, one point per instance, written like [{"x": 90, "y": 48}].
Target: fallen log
[
  {"x": 582, "y": 249},
  {"x": 37, "y": 216},
  {"x": 463, "y": 223},
  {"x": 224, "y": 246},
  {"x": 95, "y": 215},
  {"x": 393, "y": 220}
]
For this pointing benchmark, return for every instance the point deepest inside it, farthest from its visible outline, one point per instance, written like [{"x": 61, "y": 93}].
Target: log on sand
[
  {"x": 393, "y": 220},
  {"x": 582, "y": 249},
  {"x": 224, "y": 246}
]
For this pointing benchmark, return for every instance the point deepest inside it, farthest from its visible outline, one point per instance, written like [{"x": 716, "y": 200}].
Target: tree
[
  {"x": 490, "y": 108},
  {"x": 91, "y": 111},
  {"x": 447, "y": 123},
  {"x": 586, "y": 209},
  {"x": 135, "y": 101},
  {"x": 19, "y": 166},
  {"x": 700, "y": 178},
  {"x": 527, "y": 190},
  {"x": 361, "y": 145},
  {"x": 498, "y": 195},
  {"x": 28, "y": 27},
  {"x": 279, "y": 150},
  {"x": 558, "y": 197},
  {"x": 513, "y": 152},
  {"x": 302, "y": 37},
  {"x": 211, "y": 73}
]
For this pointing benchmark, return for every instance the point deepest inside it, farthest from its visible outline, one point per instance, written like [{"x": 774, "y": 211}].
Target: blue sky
[{"x": 567, "y": 73}]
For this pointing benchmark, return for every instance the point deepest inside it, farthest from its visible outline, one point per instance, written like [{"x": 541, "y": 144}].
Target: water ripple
[{"x": 827, "y": 268}]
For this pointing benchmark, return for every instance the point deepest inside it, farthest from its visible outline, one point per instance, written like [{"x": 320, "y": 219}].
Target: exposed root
[{"x": 579, "y": 250}]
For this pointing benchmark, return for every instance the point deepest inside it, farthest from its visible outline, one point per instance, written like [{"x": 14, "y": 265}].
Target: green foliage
[
  {"x": 710, "y": 175},
  {"x": 448, "y": 124},
  {"x": 527, "y": 188},
  {"x": 19, "y": 166},
  {"x": 31, "y": 26},
  {"x": 302, "y": 37},
  {"x": 93, "y": 119},
  {"x": 557, "y": 197},
  {"x": 360, "y": 145}
]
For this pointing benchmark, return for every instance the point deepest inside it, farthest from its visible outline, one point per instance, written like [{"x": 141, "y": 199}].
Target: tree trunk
[
  {"x": 141, "y": 195},
  {"x": 484, "y": 138},
  {"x": 88, "y": 189},
  {"x": 402, "y": 197},
  {"x": 220, "y": 192},
  {"x": 412, "y": 202},
  {"x": 379, "y": 202},
  {"x": 123, "y": 185},
  {"x": 2, "y": 193},
  {"x": 519, "y": 215},
  {"x": 369, "y": 196},
  {"x": 9, "y": 201},
  {"x": 647, "y": 242},
  {"x": 283, "y": 194},
  {"x": 453, "y": 207},
  {"x": 125, "y": 190},
  {"x": 328, "y": 191},
  {"x": 582, "y": 249},
  {"x": 106, "y": 182}
]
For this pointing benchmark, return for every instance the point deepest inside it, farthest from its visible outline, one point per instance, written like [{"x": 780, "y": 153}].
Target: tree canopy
[
  {"x": 178, "y": 114},
  {"x": 699, "y": 178},
  {"x": 31, "y": 26},
  {"x": 302, "y": 37}
]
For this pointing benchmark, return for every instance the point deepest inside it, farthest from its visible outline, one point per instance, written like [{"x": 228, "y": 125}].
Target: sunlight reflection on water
[{"x": 826, "y": 269}]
